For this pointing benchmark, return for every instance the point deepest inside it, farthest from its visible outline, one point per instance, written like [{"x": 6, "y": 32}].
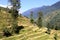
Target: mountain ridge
[{"x": 44, "y": 9}]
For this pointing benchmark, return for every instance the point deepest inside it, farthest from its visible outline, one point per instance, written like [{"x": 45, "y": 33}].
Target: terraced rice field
[{"x": 30, "y": 34}]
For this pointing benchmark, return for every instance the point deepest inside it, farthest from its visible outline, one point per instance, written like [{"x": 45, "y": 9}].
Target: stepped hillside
[
  {"x": 5, "y": 19},
  {"x": 38, "y": 34},
  {"x": 30, "y": 31}
]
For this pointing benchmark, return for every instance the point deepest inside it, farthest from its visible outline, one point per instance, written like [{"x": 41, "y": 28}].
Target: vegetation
[
  {"x": 28, "y": 32},
  {"x": 15, "y": 8},
  {"x": 7, "y": 32},
  {"x": 53, "y": 20},
  {"x": 31, "y": 17},
  {"x": 48, "y": 28},
  {"x": 39, "y": 20},
  {"x": 18, "y": 27}
]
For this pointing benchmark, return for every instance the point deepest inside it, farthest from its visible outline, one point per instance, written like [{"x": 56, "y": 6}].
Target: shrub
[
  {"x": 6, "y": 32},
  {"x": 39, "y": 20},
  {"x": 18, "y": 28}
]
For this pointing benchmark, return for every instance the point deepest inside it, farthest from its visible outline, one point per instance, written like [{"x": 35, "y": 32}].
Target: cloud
[
  {"x": 9, "y": 7},
  {"x": 5, "y": 6}
]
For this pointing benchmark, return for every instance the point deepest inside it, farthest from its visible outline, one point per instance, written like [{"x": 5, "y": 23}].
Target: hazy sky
[{"x": 28, "y": 4}]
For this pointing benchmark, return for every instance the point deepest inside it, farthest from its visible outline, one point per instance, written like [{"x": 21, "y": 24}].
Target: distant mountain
[
  {"x": 44, "y": 9},
  {"x": 56, "y": 21},
  {"x": 56, "y": 5},
  {"x": 52, "y": 18}
]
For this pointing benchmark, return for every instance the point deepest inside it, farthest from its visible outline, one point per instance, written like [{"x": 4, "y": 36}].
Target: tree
[
  {"x": 48, "y": 28},
  {"x": 0, "y": 9},
  {"x": 39, "y": 20},
  {"x": 20, "y": 15},
  {"x": 15, "y": 7},
  {"x": 31, "y": 17}
]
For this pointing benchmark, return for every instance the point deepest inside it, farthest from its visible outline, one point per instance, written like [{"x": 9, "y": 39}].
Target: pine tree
[
  {"x": 31, "y": 17},
  {"x": 39, "y": 20},
  {"x": 48, "y": 28},
  {"x": 15, "y": 7},
  {"x": 0, "y": 9}
]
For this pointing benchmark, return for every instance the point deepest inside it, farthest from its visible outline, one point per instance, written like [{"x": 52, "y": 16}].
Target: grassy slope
[
  {"x": 33, "y": 35},
  {"x": 31, "y": 32},
  {"x": 5, "y": 19}
]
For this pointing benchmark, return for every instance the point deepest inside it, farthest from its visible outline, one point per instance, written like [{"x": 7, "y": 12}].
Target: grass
[
  {"x": 29, "y": 32},
  {"x": 45, "y": 37},
  {"x": 31, "y": 35}
]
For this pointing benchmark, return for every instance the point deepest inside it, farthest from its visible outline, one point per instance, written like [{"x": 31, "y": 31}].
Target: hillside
[
  {"x": 5, "y": 19},
  {"x": 44, "y": 9},
  {"x": 30, "y": 31},
  {"x": 52, "y": 18}
]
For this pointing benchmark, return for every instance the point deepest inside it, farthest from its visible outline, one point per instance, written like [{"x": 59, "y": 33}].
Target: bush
[
  {"x": 18, "y": 28},
  {"x": 6, "y": 32},
  {"x": 39, "y": 20},
  {"x": 32, "y": 21},
  {"x": 10, "y": 11}
]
